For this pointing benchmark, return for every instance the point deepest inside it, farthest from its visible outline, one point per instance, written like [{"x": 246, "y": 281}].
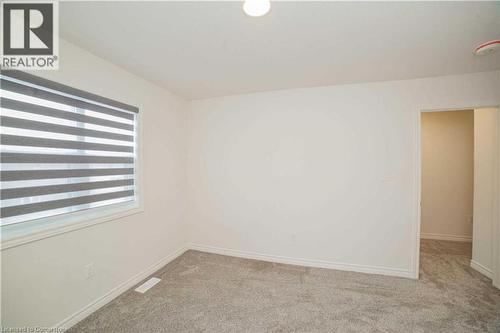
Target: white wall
[
  {"x": 43, "y": 282},
  {"x": 327, "y": 175},
  {"x": 447, "y": 175},
  {"x": 485, "y": 155}
]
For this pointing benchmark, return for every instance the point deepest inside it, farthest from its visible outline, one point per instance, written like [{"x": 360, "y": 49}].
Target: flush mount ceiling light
[{"x": 256, "y": 8}]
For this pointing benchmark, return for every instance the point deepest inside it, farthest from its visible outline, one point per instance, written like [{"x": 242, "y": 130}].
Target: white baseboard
[
  {"x": 454, "y": 238},
  {"x": 481, "y": 269},
  {"x": 306, "y": 262},
  {"x": 117, "y": 291}
]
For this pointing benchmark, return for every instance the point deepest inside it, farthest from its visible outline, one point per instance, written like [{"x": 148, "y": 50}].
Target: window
[{"x": 62, "y": 150}]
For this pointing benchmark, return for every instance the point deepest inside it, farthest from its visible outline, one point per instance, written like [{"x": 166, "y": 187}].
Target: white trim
[
  {"x": 417, "y": 197},
  {"x": 88, "y": 219},
  {"x": 305, "y": 262},
  {"x": 133, "y": 281},
  {"x": 496, "y": 213},
  {"x": 481, "y": 269},
  {"x": 123, "y": 287},
  {"x": 454, "y": 238},
  {"x": 117, "y": 291}
]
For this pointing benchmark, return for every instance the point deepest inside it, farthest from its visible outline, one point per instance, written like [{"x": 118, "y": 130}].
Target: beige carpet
[{"x": 202, "y": 292}]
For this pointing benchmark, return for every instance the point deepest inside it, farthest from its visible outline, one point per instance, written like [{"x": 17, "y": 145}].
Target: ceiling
[{"x": 206, "y": 49}]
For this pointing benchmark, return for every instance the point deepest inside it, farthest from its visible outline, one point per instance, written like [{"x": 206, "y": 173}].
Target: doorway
[
  {"x": 447, "y": 175},
  {"x": 459, "y": 186}
]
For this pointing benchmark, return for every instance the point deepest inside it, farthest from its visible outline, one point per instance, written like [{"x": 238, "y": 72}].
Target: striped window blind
[{"x": 62, "y": 149}]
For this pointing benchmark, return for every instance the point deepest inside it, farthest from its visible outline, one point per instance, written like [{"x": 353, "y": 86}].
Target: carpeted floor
[{"x": 202, "y": 292}]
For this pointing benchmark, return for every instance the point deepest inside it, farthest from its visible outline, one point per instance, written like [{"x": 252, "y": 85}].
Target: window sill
[{"x": 23, "y": 233}]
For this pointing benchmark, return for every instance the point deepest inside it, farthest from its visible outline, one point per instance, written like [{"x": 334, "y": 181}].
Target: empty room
[{"x": 250, "y": 166}]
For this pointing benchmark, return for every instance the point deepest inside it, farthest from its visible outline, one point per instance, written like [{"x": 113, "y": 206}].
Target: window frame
[{"x": 16, "y": 234}]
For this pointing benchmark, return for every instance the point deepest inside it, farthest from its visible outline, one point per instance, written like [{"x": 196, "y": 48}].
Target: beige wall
[
  {"x": 447, "y": 174},
  {"x": 486, "y": 143}
]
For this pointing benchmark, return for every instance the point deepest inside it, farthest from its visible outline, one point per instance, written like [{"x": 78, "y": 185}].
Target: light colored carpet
[{"x": 202, "y": 292}]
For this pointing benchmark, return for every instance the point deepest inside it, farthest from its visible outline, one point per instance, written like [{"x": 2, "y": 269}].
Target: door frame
[
  {"x": 418, "y": 195},
  {"x": 496, "y": 203}
]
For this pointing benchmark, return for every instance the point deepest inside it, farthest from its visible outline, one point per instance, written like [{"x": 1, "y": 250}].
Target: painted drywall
[
  {"x": 326, "y": 175},
  {"x": 447, "y": 174},
  {"x": 44, "y": 282},
  {"x": 485, "y": 155},
  {"x": 496, "y": 224},
  {"x": 209, "y": 48}
]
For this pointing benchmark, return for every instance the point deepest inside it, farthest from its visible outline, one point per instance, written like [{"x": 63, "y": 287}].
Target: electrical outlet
[{"x": 89, "y": 271}]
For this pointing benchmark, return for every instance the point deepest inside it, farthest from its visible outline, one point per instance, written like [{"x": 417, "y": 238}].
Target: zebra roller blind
[{"x": 62, "y": 149}]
